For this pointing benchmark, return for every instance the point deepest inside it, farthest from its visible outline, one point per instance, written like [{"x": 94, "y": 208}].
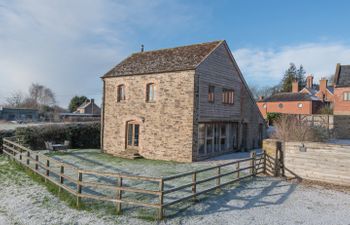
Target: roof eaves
[
  {"x": 135, "y": 74},
  {"x": 306, "y": 90},
  {"x": 111, "y": 70},
  {"x": 205, "y": 57},
  {"x": 336, "y": 74}
]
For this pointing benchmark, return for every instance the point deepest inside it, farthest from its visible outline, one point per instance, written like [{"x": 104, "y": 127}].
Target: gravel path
[{"x": 261, "y": 201}]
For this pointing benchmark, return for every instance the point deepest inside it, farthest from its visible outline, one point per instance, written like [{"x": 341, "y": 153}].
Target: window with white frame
[{"x": 346, "y": 96}]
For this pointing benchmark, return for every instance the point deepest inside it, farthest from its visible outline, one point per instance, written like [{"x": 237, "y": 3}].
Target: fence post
[
  {"x": 36, "y": 162},
  {"x": 47, "y": 167},
  {"x": 79, "y": 187},
  {"x": 264, "y": 162},
  {"x": 119, "y": 195},
  {"x": 61, "y": 177},
  {"x": 252, "y": 163},
  {"x": 28, "y": 155},
  {"x": 218, "y": 180},
  {"x": 194, "y": 184},
  {"x": 237, "y": 168},
  {"x": 161, "y": 199}
]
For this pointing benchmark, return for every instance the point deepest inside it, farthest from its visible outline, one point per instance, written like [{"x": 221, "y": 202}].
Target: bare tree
[
  {"x": 41, "y": 95},
  {"x": 16, "y": 99},
  {"x": 264, "y": 91},
  {"x": 291, "y": 128},
  {"x": 330, "y": 79}
]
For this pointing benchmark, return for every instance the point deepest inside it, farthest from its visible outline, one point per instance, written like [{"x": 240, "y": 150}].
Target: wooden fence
[{"x": 165, "y": 193}]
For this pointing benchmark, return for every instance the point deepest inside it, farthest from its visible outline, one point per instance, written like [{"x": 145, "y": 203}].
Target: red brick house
[
  {"x": 306, "y": 101},
  {"x": 342, "y": 90},
  {"x": 322, "y": 91}
]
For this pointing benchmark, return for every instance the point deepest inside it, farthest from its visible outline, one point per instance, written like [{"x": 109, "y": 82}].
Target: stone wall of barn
[{"x": 166, "y": 125}]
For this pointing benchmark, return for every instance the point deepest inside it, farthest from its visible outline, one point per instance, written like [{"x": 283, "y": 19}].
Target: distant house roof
[
  {"x": 288, "y": 96},
  {"x": 164, "y": 60},
  {"x": 331, "y": 89},
  {"x": 84, "y": 105},
  {"x": 316, "y": 88},
  {"x": 342, "y": 76},
  {"x": 312, "y": 91},
  {"x": 17, "y": 109}
]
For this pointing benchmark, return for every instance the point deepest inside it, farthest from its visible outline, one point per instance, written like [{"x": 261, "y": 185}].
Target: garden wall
[
  {"x": 316, "y": 161},
  {"x": 342, "y": 126}
]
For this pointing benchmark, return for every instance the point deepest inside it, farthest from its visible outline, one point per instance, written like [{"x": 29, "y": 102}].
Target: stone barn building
[
  {"x": 342, "y": 90},
  {"x": 182, "y": 104}
]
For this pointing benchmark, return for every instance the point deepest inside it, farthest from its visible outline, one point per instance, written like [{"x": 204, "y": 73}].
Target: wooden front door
[{"x": 133, "y": 135}]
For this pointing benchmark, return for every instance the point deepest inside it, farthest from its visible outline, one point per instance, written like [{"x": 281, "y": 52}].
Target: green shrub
[
  {"x": 326, "y": 110},
  {"x": 80, "y": 135},
  {"x": 5, "y": 133},
  {"x": 272, "y": 117}
]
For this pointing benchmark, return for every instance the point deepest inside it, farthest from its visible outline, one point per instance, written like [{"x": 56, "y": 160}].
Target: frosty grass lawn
[{"x": 263, "y": 200}]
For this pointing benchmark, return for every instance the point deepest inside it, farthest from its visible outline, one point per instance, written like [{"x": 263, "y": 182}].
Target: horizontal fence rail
[{"x": 165, "y": 191}]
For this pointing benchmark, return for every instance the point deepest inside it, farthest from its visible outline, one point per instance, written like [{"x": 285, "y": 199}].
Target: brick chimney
[
  {"x": 323, "y": 85},
  {"x": 309, "y": 81},
  {"x": 295, "y": 86},
  {"x": 92, "y": 101}
]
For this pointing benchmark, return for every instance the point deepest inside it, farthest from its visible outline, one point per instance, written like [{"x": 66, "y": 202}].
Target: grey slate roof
[
  {"x": 288, "y": 96},
  {"x": 331, "y": 89},
  {"x": 316, "y": 88},
  {"x": 313, "y": 91},
  {"x": 343, "y": 78},
  {"x": 163, "y": 60}
]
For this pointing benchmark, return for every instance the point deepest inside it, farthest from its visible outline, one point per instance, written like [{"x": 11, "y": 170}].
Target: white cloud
[
  {"x": 266, "y": 67},
  {"x": 67, "y": 45}
]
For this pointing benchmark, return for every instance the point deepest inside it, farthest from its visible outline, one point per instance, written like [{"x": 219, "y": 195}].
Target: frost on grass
[{"x": 262, "y": 200}]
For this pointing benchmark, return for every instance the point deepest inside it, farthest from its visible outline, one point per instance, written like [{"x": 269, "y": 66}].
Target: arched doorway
[{"x": 132, "y": 134}]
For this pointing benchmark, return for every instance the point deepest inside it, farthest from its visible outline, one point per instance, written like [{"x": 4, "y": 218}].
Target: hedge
[
  {"x": 80, "y": 135},
  {"x": 5, "y": 133}
]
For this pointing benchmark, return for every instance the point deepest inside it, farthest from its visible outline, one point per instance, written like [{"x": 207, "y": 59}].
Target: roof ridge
[
  {"x": 178, "y": 58},
  {"x": 182, "y": 46}
]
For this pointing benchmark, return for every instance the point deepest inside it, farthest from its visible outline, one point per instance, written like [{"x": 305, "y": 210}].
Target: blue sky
[{"x": 68, "y": 45}]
